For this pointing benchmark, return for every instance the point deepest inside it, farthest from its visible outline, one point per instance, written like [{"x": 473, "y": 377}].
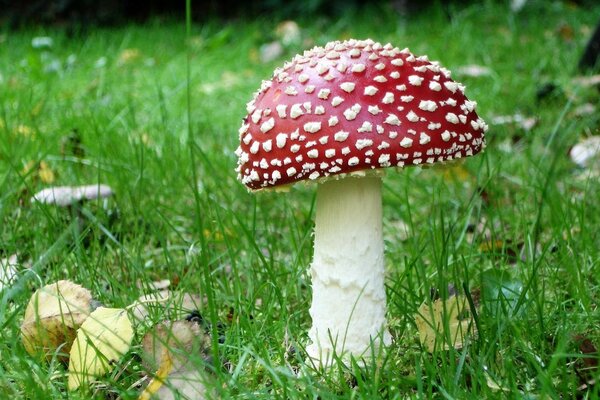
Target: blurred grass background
[{"x": 108, "y": 102}]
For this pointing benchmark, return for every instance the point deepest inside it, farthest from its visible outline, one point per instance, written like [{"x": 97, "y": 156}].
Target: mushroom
[
  {"x": 64, "y": 196},
  {"x": 337, "y": 115}
]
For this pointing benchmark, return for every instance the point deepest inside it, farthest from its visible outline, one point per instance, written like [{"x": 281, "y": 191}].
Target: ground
[{"x": 154, "y": 112}]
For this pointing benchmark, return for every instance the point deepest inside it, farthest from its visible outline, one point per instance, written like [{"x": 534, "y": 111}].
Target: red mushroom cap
[{"x": 351, "y": 106}]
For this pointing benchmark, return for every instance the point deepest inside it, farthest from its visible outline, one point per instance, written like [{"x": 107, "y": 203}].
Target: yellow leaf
[
  {"x": 45, "y": 173},
  {"x": 129, "y": 55},
  {"x": 53, "y": 315},
  {"x": 25, "y": 130},
  {"x": 164, "y": 369},
  {"x": 444, "y": 324},
  {"x": 101, "y": 340}
]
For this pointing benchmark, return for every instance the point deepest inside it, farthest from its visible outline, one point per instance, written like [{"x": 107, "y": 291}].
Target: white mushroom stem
[{"x": 349, "y": 303}]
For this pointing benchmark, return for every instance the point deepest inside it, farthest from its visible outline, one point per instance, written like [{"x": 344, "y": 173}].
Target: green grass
[{"x": 180, "y": 214}]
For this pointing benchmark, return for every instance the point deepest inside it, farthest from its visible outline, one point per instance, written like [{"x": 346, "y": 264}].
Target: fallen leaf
[
  {"x": 63, "y": 196},
  {"x": 455, "y": 172},
  {"x": 101, "y": 341},
  {"x": 169, "y": 349},
  {"x": 584, "y": 110},
  {"x": 45, "y": 173},
  {"x": 474, "y": 71},
  {"x": 25, "y": 131},
  {"x": 52, "y": 317},
  {"x": 586, "y": 151},
  {"x": 587, "y": 81},
  {"x": 183, "y": 384},
  {"x": 444, "y": 324},
  {"x": 128, "y": 56},
  {"x": 8, "y": 271},
  {"x": 173, "y": 305}
]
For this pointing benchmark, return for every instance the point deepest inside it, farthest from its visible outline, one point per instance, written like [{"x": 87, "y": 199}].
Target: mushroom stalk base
[{"x": 349, "y": 302}]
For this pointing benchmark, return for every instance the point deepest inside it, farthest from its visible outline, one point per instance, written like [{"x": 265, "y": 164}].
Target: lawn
[{"x": 154, "y": 112}]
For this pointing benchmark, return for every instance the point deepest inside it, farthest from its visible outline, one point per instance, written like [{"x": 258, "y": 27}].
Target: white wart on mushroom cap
[{"x": 350, "y": 106}]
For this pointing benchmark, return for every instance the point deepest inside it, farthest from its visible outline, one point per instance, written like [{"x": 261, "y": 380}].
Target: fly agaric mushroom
[{"x": 337, "y": 115}]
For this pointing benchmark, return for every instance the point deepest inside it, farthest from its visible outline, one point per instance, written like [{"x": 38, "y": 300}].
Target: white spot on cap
[
  {"x": 336, "y": 101},
  {"x": 247, "y": 138},
  {"x": 452, "y": 118},
  {"x": 295, "y": 148},
  {"x": 397, "y": 62},
  {"x": 347, "y": 87},
  {"x": 296, "y": 111},
  {"x": 395, "y": 75},
  {"x": 384, "y": 160},
  {"x": 406, "y": 142},
  {"x": 256, "y": 115},
  {"x": 406, "y": 99},
  {"x": 412, "y": 117},
  {"x": 341, "y": 136},
  {"x": 281, "y": 110},
  {"x": 333, "y": 121},
  {"x": 428, "y": 105},
  {"x": 314, "y": 153},
  {"x": 353, "y": 161},
  {"x": 319, "y": 110},
  {"x": 302, "y": 78},
  {"x": 424, "y": 138},
  {"x": 362, "y": 143},
  {"x": 352, "y": 112},
  {"x": 309, "y": 89},
  {"x": 354, "y": 53},
  {"x": 324, "y": 94},
  {"x": 392, "y": 119},
  {"x": 254, "y": 148},
  {"x": 401, "y": 88},
  {"x": 268, "y": 145},
  {"x": 280, "y": 140},
  {"x": 435, "y": 86},
  {"x": 267, "y": 125},
  {"x": 291, "y": 171},
  {"x": 329, "y": 153},
  {"x": 451, "y": 86},
  {"x": 462, "y": 118},
  {"x": 374, "y": 110},
  {"x": 388, "y": 98},
  {"x": 358, "y": 68},
  {"x": 322, "y": 69},
  {"x": 380, "y": 79},
  {"x": 366, "y": 127},
  {"x": 415, "y": 80},
  {"x": 446, "y": 136},
  {"x": 380, "y": 66},
  {"x": 312, "y": 127},
  {"x": 314, "y": 175},
  {"x": 291, "y": 91},
  {"x": 370, "y": 90}
]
